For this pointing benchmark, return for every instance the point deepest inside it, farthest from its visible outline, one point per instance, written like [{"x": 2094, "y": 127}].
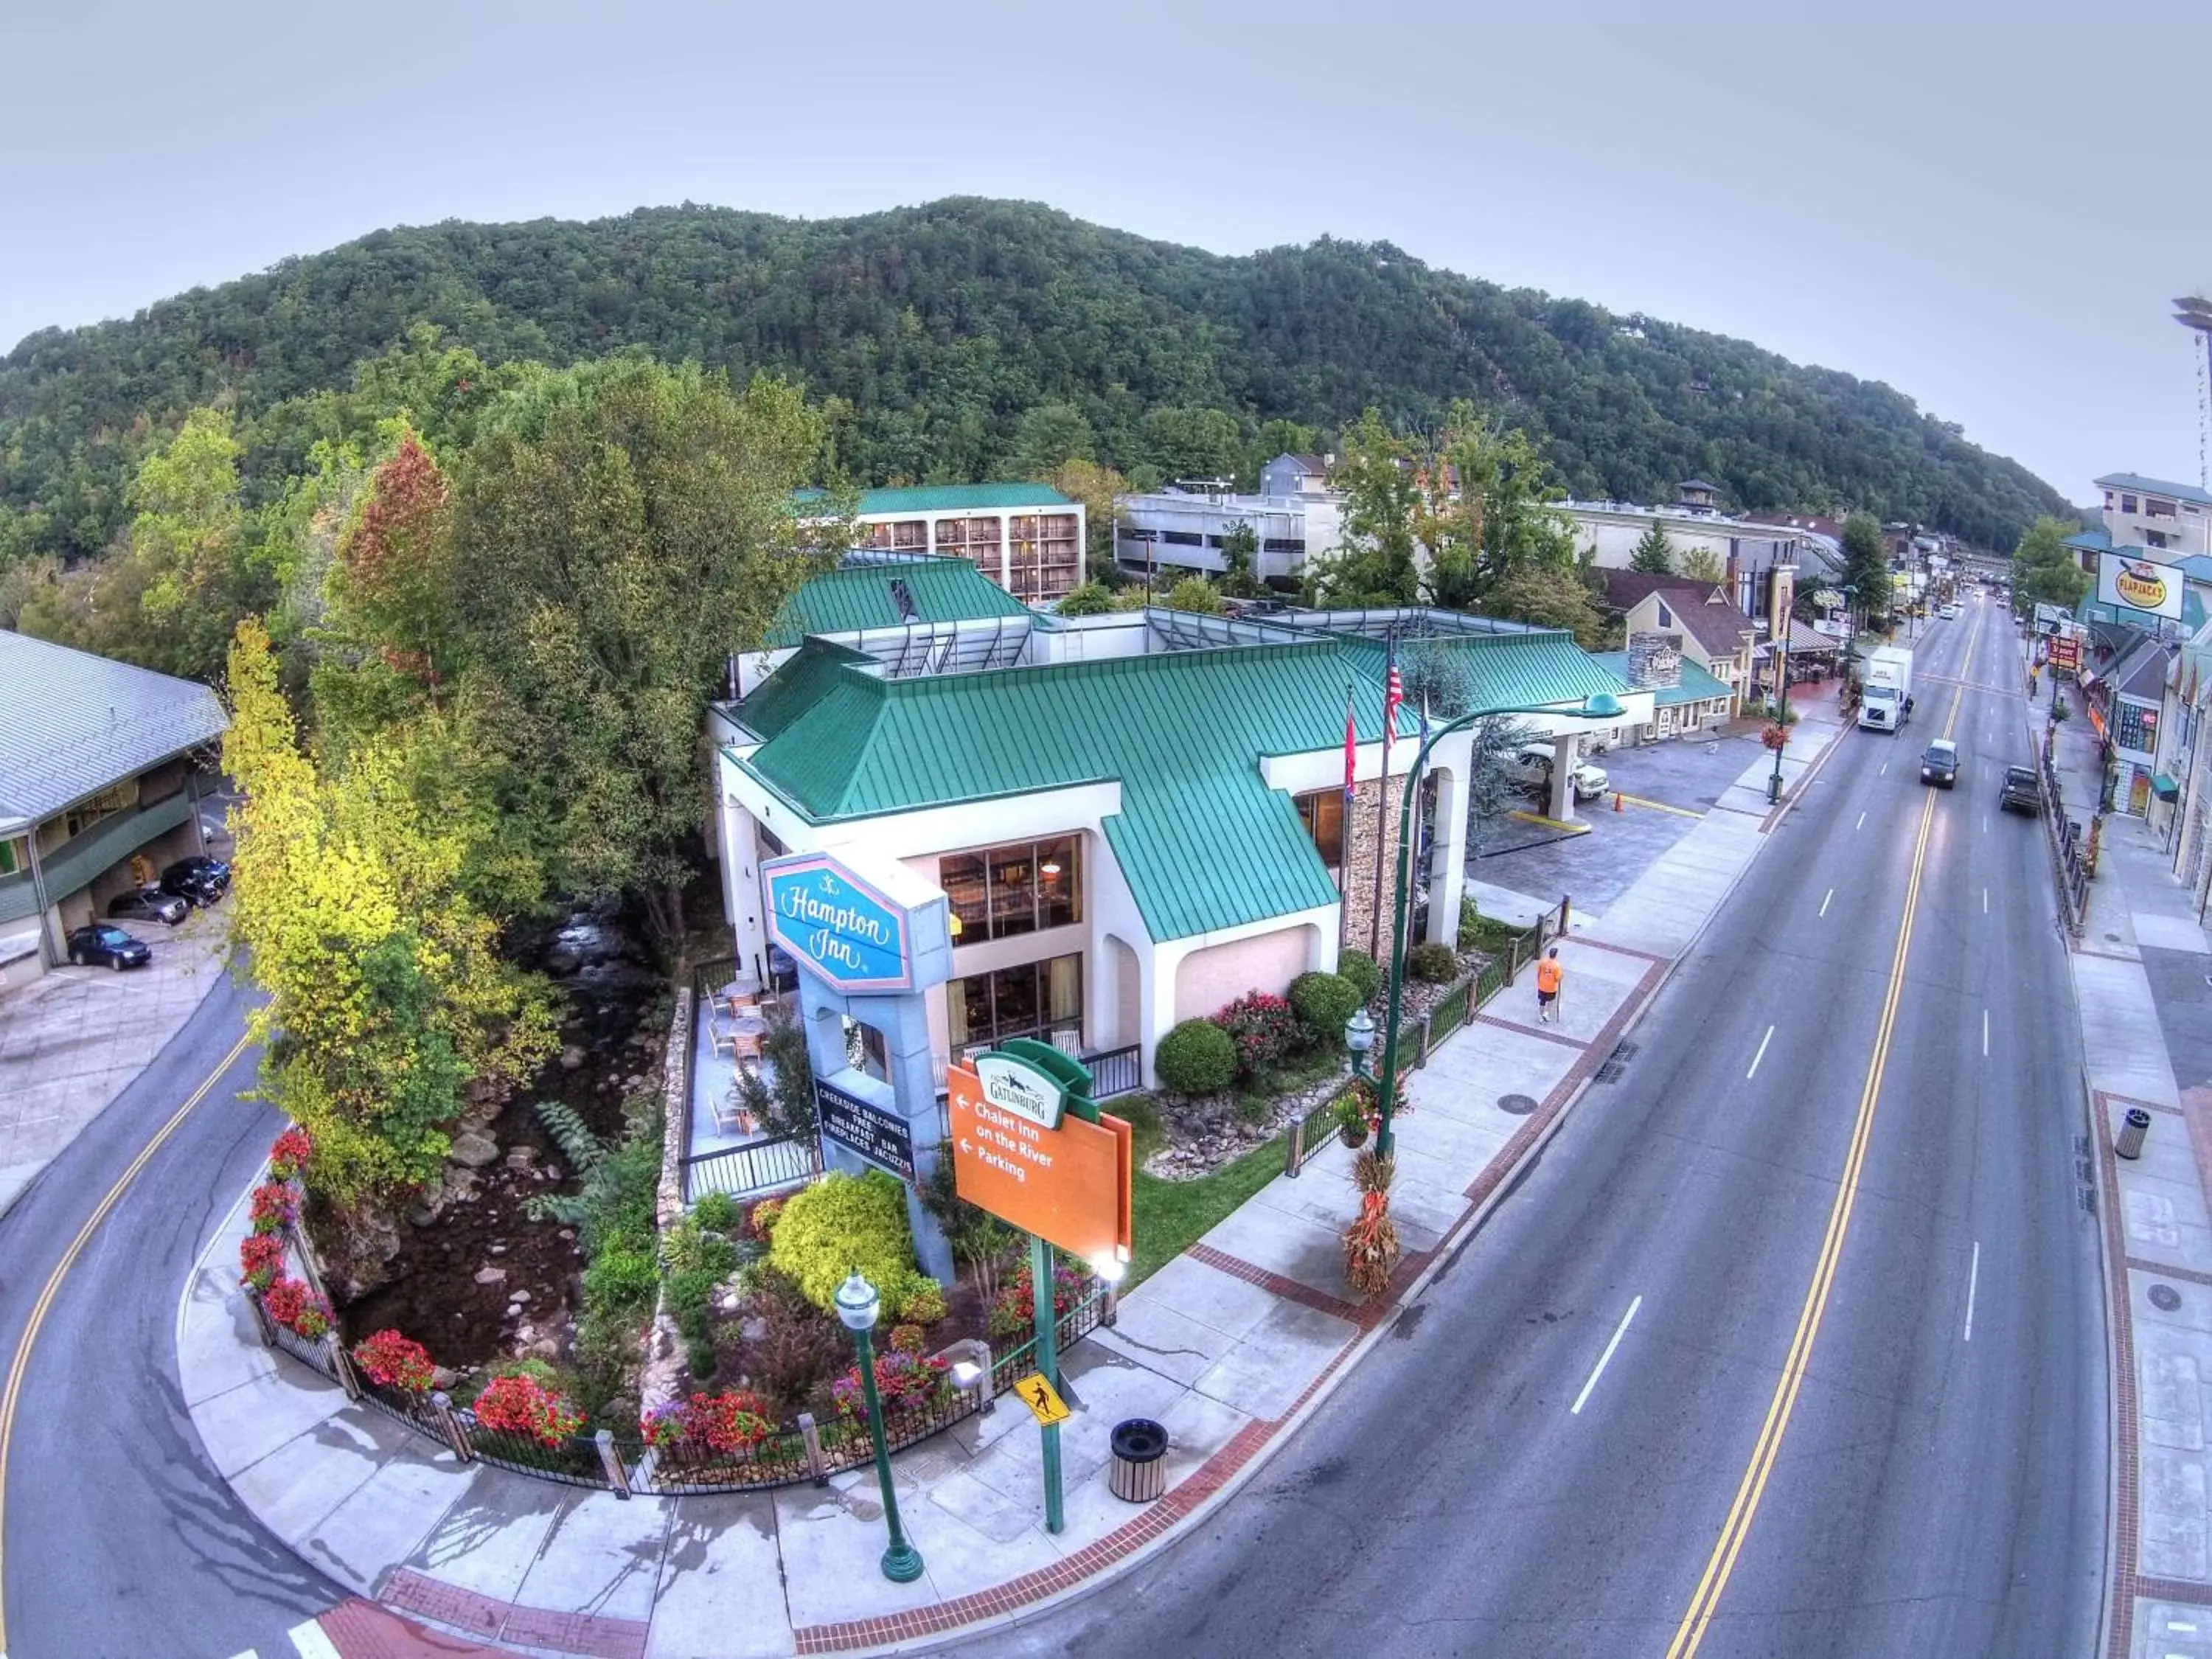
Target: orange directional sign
[{"x": 1068, "y": 1185}]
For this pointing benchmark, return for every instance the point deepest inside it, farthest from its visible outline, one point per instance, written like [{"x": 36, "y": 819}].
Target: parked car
[
  {"x": 2020, "y": 790},
  {"x": 1530, "y": 766},
  {"x": 149, "y": 904},
  {"x": 199, "y": 878},
  {"x": 104, "y": 945},
  {"x": 1939, "y": 763}
]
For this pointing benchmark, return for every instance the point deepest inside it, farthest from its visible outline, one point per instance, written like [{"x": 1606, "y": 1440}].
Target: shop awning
[{"x": 2164, "y": 786}]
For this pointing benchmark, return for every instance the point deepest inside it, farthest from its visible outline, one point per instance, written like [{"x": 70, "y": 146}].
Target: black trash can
[
  {"x": 2133, "y": 1128},
  {"x": 1139, "y": 1473}
]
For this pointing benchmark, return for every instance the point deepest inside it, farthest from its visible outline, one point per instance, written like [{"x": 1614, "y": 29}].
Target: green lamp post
[
  {"x": 1600, "y": 706},
  {"x": 857, "y": 1306}
]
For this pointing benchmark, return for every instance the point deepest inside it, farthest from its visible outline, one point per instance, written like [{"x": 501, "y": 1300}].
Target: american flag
[
  {"x": 1351, "y": 749},
  {"x": 1394, "y": 693}
]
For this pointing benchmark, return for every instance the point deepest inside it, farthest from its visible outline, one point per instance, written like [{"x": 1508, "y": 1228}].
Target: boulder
[
  {"x": 491, "y": 1275},
  {"x": 473, "y": 1149},
  {"x": 573, "y": 1057}
]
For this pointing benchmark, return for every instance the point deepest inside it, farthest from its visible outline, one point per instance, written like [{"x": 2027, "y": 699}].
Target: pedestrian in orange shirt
[{"x": 1549, "y": 974}]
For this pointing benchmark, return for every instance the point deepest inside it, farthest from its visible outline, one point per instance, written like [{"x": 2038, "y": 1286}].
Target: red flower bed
[
  {"x": 521, "y": 1404},
  {"x": 906, "y": 1382},
  {"x": 274, "y": 1207},
  {"x": 289, "y": 1153},
  {"x": 733, "y": 1420},
  {"x": 1264, "y": 1029},
  {"x": 261, "y": 1259},
  {"x": 298, "y": 1309},
  {"x": 395, "y": 1362}
]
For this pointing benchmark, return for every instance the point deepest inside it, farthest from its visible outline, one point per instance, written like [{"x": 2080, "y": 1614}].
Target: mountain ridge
[{"x": 940, "y": 327}]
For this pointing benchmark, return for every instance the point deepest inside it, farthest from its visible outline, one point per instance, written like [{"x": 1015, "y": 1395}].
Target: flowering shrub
[
  {"x": 274, "y": 1207},
  {"x": 522, "y": 1405},
  {"x": 1263, "y": 1028},
  {"x": 908, "y": 1339},
  {"x": 260, "y": 1260},
  {"x": 293, "y": 1305},
  {"x": 760, "y": 1220},
  {"x": 926, "y": 1306},
  {"x": 733, "y": 1420},
  {"x": 1014, "y": 1312},
  {"x": 289, "y": 1154},
  {"x": 395, "y": 1362},
  {"x": 906, "y": 1382}
]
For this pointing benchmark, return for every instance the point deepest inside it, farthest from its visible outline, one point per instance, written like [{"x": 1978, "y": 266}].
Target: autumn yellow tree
[{"x": 386, "y": 992}]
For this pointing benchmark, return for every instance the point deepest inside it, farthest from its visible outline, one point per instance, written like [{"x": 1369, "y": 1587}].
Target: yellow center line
[
  {"x": 1721, "y": 1563},
  {"x": 9, "y": 1399}
]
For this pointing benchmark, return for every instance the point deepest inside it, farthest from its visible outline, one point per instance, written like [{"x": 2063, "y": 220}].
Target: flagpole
[{"x": 1382, "y": 807}]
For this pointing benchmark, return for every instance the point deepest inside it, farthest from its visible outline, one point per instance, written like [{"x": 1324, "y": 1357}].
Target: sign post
[{"x": 1030, "y": 1146}]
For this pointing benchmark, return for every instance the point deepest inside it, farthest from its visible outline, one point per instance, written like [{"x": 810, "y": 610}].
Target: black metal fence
[
  {"x": 1116, "y": 1072},
  {"x": 2070, "y": 845},
  {"x": 757, "y": 1168}
]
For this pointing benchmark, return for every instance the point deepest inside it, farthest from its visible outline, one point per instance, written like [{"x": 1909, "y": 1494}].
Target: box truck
[{"x": 1886, "y": 699}]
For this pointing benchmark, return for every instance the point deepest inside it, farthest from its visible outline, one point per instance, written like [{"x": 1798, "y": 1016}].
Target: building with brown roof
[{"x": 1715, "y": 634}]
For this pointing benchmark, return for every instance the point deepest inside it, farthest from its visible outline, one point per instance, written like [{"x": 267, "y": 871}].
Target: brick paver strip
[
  {"x": 1543, "y": 1031},
  {"x": 589, "y": 1636},
  {"x": 2175, "y": 1589},
  {"x": 1274, "y": 1283},
  {"x": 362, "y": 1630},
  {"x": 2161, "y": 1270}
]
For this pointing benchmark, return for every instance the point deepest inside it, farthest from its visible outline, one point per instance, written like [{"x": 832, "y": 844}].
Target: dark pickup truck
[{"x": 2021, "y": 790}]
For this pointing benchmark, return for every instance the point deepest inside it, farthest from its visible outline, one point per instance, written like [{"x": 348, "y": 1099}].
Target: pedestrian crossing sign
[{"x": 1043, "y": 1400}]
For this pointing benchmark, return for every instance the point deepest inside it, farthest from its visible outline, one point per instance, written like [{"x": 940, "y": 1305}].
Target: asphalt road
[
  {"x": 118, "y": 1538},
  {"x": 1938, "y": 1484}
]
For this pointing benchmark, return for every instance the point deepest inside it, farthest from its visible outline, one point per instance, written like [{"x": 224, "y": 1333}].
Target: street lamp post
[
  {"x": 1781, "y": 717},
  {"x": 1359, "y": 1037},
  {"x": 858, "y": 1304},
  {"x": 1601, "y": 705}
]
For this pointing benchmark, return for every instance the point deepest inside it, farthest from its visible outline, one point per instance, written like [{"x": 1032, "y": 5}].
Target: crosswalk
[{"x": 307, "y": 1641}]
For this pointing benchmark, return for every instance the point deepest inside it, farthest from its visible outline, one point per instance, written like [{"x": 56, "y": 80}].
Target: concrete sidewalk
[
  {"x": 1230, "y": 1345},
  {"x": 2138, "y": 973}
]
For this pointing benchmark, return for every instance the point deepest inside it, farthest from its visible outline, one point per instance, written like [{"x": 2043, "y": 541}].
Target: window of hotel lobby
[
  {"x": 1323, "y": 814},
  {"x": 1004, "y": 891},
  {"x": 1036, "y": 999}
]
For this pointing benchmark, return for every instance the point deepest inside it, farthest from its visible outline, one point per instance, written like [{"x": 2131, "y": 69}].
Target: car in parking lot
[
  {"x": 103, "y": 945},
  {"x": 2020, "y": 791},
  {"x": 199, "y": 878},
  {"x": 1530, "y": 766},
  {"x": 1939, "y": 763},
  {"x": 149, "y": 904}
]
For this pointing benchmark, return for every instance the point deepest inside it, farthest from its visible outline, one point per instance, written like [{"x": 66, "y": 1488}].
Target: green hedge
[
  {"x": 841, "y": 1223},
  {"x": 1196, "y": 1058},
  {"x": 1323, "y": 1003}
]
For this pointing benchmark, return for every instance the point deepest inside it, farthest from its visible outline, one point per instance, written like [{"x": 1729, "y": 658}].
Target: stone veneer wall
[
  {"x": 663, "y": 1379},
  {"x": 1362, "y": 839}
]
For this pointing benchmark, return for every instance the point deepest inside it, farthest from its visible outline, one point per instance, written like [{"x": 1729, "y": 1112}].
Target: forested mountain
[{"x": 969, "y": 337}]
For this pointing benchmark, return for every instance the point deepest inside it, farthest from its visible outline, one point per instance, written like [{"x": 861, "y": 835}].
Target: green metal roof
[
  {"x": 1535, "y": 668},
  {"x": 859, "y": 595},
  {"x": 1203, "y": 842},
  {"x": 948, "y": 498},
  {"x": 1696, "y": 685},
  {"x": 1201, "y": 839}
]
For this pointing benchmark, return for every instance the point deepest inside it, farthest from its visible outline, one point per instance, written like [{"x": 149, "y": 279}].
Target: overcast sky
[{"x": 1988, "y": 205}]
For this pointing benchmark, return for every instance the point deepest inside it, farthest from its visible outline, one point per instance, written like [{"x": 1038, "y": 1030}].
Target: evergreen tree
[{"x": 1654, "y": 554}]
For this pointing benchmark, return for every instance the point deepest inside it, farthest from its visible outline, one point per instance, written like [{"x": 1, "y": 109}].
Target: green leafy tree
[
  {"x": 1089, "y": 599},
  {"x": 2044, "y": 569},
  {"x": 1187, "y": 442},
  {"x": 1866, "y": 569},
  {"x": 1196, "y": 595},
  {"x": 1702, "y": 564},
  {"x": 1048, "y": 435},
  {"x": 1240, "y": 552},
  {"x": 1378, "y": 562},
  {"x": 1550, "y": 597},
  {"x": 1100, "y": 489},
  {"x": 1654, "y": 554},
  {"x": 627, "y": 525}
]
